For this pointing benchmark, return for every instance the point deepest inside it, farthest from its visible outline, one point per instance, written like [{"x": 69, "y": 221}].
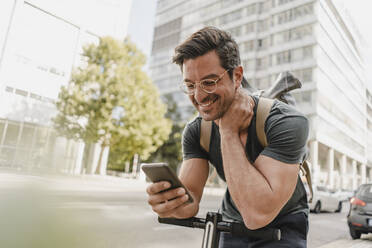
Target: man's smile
[{"x": 207, "y": 102}]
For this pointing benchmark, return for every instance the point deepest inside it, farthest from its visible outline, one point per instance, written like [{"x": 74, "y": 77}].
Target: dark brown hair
[{"x": 208, "y": 39}]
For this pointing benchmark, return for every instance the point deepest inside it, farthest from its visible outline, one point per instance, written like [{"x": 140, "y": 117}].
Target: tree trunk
[{"x": 98, "y": 167}]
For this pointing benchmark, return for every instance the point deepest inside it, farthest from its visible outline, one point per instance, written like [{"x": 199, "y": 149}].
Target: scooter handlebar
[{"x": 235, "y": 228}]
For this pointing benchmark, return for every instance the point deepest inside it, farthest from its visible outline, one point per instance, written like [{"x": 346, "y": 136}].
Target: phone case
[{"x": 157, "y": 172}]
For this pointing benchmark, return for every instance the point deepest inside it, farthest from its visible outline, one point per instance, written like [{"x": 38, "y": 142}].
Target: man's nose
[{"x": 199, "y": 93}]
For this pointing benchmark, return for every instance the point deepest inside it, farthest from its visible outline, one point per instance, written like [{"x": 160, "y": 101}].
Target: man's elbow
[{"x": 258, "y": 220}]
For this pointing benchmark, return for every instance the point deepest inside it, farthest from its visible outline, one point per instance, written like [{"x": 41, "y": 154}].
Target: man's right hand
[{"x": 168, "y": 203}]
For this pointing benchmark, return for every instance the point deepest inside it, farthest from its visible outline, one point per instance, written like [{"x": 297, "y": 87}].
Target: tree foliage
[
  {"x": 110, "y": 100},
  {"x": 171, "y": 150}
]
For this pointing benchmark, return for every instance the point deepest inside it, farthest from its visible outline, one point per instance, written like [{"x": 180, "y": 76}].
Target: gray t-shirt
[{"x": 286, "y": 131}]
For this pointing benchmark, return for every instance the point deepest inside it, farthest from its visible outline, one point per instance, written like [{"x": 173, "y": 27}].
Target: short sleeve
[
  {"x": 191, "y": 147},
  {"x": 287, "y": 133}
]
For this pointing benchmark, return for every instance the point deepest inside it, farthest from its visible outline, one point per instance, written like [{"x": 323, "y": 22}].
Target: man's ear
[{"x": 238, "y": 76}]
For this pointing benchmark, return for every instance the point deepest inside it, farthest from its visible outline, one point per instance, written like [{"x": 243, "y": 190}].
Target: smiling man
[{"x": 263, "y": 185}]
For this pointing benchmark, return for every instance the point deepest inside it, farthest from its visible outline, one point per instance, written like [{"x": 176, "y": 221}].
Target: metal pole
[{"x": 211, "y": 235}]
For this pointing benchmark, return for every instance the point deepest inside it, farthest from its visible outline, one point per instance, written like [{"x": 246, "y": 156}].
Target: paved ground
[{"x": 81, "y": 183}]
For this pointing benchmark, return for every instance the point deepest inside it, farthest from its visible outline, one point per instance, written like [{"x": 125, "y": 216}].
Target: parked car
[
  {"x": 344, "y": 195},
  {"x": 325, "y": 200},
  {"x": 359, "y": 217}
]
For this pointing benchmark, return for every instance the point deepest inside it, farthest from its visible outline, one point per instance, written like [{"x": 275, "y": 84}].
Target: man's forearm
[{"x": 249, "y": 189}]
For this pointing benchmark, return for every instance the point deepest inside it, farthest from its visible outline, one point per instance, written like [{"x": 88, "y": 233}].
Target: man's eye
[
  {"x": 190, "y": 86},
  {"x": 208, "y": 82}
]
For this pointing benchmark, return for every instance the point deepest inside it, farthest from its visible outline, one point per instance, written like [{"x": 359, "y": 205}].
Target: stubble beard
[{"x": 210, "y": 117}]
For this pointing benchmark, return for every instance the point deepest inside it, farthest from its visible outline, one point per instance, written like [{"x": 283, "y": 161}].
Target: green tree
[
  {"x": 112, "y": 101},
  {"x": 171, "y": 150}
]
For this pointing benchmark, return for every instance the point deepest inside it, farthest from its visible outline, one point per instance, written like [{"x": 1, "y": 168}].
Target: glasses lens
[
  {"x": 208, "y": 85},
  {"x": 188, "y": 88}
]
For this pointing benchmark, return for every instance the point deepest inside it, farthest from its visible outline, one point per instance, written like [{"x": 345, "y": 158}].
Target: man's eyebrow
[{"x": 212, "y": 76}]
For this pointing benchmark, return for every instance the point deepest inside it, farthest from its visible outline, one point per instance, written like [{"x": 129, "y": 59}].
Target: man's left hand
[{"x": 239, "y": 115}]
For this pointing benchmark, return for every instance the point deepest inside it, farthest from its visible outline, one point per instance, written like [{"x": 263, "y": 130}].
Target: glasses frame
[{"x": 183, "y": 85}]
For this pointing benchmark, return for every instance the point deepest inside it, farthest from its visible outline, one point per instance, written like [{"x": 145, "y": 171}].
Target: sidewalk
[{"x": 348, "y": 243}]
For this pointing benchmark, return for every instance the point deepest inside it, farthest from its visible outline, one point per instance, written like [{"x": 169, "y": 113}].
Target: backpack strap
[
  {"x": 263, "y": 110},
  {"x": 205, "y": 134},
  {"x": 306, "y": 172}
]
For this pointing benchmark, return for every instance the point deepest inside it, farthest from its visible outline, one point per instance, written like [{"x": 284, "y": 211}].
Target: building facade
[
  {"x": 40, "y": 42},
  {"x": 310, "y": 38}
]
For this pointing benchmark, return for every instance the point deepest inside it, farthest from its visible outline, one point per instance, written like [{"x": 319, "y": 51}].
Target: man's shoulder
[
  {"x": 194, "y": 123},
  {"x": 282, "y": 110},
  {"x": 193, "y": 126},
  {"x": 284, "y": 119}
]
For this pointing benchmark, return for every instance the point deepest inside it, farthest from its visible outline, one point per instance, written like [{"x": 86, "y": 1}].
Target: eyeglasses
[{"x": 207, "y": 85}]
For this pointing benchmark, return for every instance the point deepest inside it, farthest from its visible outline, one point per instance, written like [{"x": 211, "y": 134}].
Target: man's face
[{"x": 211, "y": 106}]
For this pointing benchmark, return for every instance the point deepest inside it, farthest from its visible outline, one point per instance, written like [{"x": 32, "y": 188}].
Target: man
[{"x": 263, "y": 185}]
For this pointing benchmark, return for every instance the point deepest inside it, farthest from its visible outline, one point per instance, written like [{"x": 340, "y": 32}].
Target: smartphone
[{"x": 157, "y": 172}]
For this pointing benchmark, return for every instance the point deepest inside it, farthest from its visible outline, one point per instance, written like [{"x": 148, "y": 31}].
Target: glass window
[
  {"x": 306, "y": 97},
  {"x": 21, "y": 158},
  {"x": 296, "y": 54},
  {"x": 227, "y": 3},
  {"x": 246, "y": 46},
  {"x": 307, "y": 75},
  {"x": 293, "y": 14},
  {"x": 11, "y": 136},
  {"x": 250, "y": 27},
  {"x": 2, "y": 125},
  {"x": 369, "y": 126},
  {"x": 262, "y": 43},
  {"x": 369, "y": 110},
  {"x": 283, "y": 57},
  {"x": 167, "y": 28},
  {"x": 307, "y": 52},
  {"x": 41, "y": 136},
  {"x": 365, "y": 191},
  {"x": 230, "y": 17},
  {"x": 248, "y": 64},
  {"x": 7, "y": 155},
  {"x": 259, "y": 63},
  {"x": 27, "y": 136},
  {"x": 235, "y": 32},
  {"x": 263, "y": 25},
  {"x": 251, "y": 9}
]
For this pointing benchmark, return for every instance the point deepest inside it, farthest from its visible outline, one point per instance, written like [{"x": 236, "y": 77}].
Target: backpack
[{"x": 279, "y": 90}]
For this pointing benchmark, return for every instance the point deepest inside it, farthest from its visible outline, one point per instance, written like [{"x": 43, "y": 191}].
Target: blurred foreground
[{"x": 53, "y": 210}]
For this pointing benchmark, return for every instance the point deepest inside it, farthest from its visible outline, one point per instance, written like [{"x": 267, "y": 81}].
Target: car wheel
[
  {"x": 339, "y": 207},
  {"x": 354, "y": 233},
  {"x": 318, "y": 207}
]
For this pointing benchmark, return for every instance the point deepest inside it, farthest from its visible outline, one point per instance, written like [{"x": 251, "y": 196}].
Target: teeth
[{"x": 206, "y": 104}]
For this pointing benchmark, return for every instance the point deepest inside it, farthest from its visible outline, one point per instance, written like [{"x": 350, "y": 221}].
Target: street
[{"x": 95, "y": 212}]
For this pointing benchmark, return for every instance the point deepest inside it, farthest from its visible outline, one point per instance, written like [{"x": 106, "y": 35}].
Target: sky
[
  {"x": 142, "y": 21},
  {"x": 141, "y": 25}
]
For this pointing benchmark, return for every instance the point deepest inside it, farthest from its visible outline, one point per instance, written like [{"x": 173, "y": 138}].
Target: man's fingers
[
  {"x": 166, "y": 196},
  {"x": 155, "y": 188},
  {"x": 164, "y": 208}
]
